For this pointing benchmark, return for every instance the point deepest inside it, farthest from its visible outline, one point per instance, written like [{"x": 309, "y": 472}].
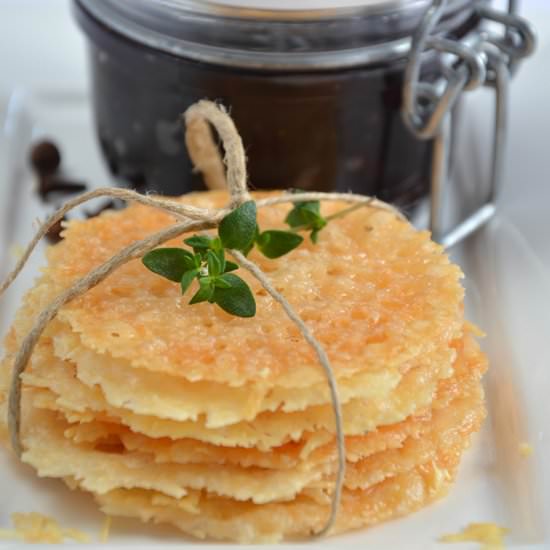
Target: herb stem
[
  {"x": 334, "y": 216},
  {"x": 346, "y": 211}
]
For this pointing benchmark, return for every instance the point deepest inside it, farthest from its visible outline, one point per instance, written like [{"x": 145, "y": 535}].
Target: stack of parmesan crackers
[{"x": 223, "y": 426}]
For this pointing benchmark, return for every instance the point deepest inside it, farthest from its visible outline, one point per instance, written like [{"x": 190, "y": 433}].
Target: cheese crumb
[
  {"x": 106, "y": 529},
  {"x": 9, "y": 534},
  {"x": 490, "y": 535},
  {"x": 37, "y": 528},
  {"x": 525, "y": 449},
  {"x": 440, "y": 476}
]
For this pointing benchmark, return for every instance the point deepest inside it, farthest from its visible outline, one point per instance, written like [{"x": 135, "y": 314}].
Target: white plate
[{"x": 508, "y": 294}]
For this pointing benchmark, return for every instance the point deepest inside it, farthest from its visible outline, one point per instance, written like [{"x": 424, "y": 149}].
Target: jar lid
[{"x": 274, "y": 34}]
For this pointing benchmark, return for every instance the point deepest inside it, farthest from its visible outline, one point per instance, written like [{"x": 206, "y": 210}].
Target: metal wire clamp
[{"x": 489, "y": 58}]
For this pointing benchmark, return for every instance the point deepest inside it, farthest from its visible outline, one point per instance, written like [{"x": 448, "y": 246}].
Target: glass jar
[{"x": 315, "y": 90}]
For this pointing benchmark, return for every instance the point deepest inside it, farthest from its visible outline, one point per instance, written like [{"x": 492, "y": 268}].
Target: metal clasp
[{"x": 489, "y": 58}]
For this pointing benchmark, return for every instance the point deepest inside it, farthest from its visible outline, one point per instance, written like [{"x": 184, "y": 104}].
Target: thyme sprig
[{"x": 238, "y": 230}]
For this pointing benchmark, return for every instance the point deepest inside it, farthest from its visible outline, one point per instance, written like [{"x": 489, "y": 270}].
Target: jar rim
[
  {"x": 293, "y": 11},
  {"x": 266, "y": 39}
]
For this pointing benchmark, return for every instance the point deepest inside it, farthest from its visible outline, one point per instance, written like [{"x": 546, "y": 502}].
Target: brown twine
[
  {"x": 331, "y": 197},
  {"x": 325, "y": 363},
  {"x": 135, "y": 250},
  {"x": 191, "y": 219},
  {"x": 177, "y": 209},
  {"x": 204, "y": 154},
  {"x": 235, "y": 159}
]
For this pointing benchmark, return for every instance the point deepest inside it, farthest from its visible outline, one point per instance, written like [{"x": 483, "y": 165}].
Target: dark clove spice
[
  {"x": 49, "y": 185},
  {"x": 54, "y": 234},
  {"x": 45, "y": 158}
]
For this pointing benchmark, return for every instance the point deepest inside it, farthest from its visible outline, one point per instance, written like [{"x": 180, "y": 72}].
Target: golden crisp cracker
[
  {"x": 52, "y": 455},
  {"x": 374, "y": 291},
  {"x": 46, "y": 445},
  {"x": 268, "y": 430},
  {"x": 76, "y": 398},
  {"x": 167, "y": 396},
  {"x": 220, "y": 407},
  {"x": 100, "y": 472},
  {"x": 245, "y": 522},
  {"x": 469, "y": 366}
]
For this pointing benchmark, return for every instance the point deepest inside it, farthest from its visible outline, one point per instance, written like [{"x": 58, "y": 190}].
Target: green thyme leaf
[
  {"x": 214, "y": 264},
  {"x": 304, "y": 214},
  {"x": 171, "y": 263},
  {"x": 230, "y": 266},
  {"x": 190, "y": 261},
  {"x": 237, "y": 299},
  {"x": 275, "y": 243},
  {"x": 216, "y": 244},
  {"x": 221, "y": 257},
  {"x": 247, "y": 250},
  {"x": 199, "y": 242},
  {"x": 237, "y": 229},
  {"x": 307, "y": 216},
  {"x": 187, "y": 279},
  {"x": 221, "y": 283},
  {"x": 205, "y": 292}
]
